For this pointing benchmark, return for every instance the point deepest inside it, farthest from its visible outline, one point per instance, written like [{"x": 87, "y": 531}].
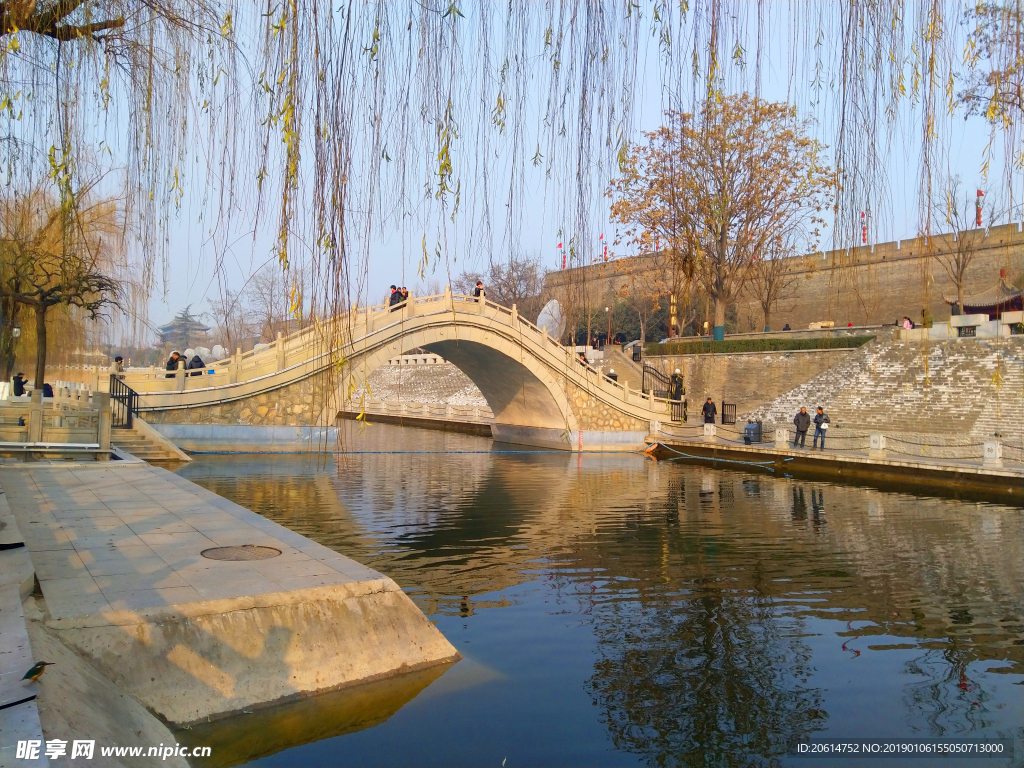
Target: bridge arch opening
[{"x": 528, "y": 403}]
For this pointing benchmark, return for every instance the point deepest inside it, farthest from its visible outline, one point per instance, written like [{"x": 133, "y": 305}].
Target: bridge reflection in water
[{"x": 711, "y": 616}]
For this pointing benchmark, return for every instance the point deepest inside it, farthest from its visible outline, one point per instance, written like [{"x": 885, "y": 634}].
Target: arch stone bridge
[{"x": 541, "y": 394}]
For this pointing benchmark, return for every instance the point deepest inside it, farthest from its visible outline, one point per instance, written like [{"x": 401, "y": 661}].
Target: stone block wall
[
  {"x": 864, "y": 286},
  {"x": 749, "y": 379},
  {"x": 592, "y": 414},
  {"x": 438, "y": 383},
  {"x": 965, "y": 388},
  {"x": 298, "y": 404}
]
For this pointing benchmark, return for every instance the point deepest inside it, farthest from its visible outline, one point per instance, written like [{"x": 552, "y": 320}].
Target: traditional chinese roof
[{"x": 1001, "y": 297}]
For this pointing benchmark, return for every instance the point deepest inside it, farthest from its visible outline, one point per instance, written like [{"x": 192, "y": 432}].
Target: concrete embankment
[
  {"x": 1005, "y": 484},
  {"x": 128, "y": 560}
]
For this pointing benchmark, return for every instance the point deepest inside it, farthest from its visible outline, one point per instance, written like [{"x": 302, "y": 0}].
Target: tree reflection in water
[{"x": 704, "y": 672}]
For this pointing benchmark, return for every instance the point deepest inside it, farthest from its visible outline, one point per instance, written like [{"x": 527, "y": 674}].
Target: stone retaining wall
[{"x": 298, "y": 404}]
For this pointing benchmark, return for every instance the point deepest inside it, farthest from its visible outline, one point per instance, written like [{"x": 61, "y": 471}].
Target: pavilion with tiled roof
[{"x": 1001, "y": 297}]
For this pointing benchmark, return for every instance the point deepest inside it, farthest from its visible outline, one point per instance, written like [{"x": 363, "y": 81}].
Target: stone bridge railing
[{"x": 309, "y": 345}]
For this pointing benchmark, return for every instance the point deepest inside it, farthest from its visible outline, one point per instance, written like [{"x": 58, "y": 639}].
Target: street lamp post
[{"x": 608, "y": 338}]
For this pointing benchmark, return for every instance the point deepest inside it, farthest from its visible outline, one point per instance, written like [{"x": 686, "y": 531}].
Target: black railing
[
  {"x": 124, "y": 403},
  {"x": 678, "y": 410},
  {"x": 656, "y": 382},
  {"x": 728, "y": 413}
]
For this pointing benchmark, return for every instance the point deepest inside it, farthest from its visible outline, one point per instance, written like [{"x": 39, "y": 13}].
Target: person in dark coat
[
  {"x": 802, "y": 422},
  {"x": 478, "y": 292},
  {"x": 18, "y": 384},
  {"x": 677, "y": 385},
  {"x": 196, "y": 365},
  {"x": 47, "y": 389},
  {"x": 709, "y": 410},
  {"x": 395, "y": 298},
  {"x": 821, "y": 422},
  {"x": 172, "y": 364}
]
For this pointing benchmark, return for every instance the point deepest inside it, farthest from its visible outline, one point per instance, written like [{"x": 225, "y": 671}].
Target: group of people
[
  {"x": 398, "y": 297},
  {"x": 401, "y": 295},
  {"x": 196, "y": 364},
  {"x": 19, "y": 383},
  {"x": 802, "y": 421}
]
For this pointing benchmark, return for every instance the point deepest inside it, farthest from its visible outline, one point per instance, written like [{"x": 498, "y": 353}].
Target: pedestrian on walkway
[
  {"x": 395, "y": 298},
  {"x": 18, "y": 384},
  {"x": 709, "y": 410},
  {"x": 478, "y": 292},
  {"x": 802, "y": 422},
  {"x": 821, "y": 422}
]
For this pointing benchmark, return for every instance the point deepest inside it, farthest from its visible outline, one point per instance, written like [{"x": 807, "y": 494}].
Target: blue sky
[{"x": 527, "y": 216}]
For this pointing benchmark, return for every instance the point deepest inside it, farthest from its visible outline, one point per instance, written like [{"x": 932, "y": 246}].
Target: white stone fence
[
  {"x": 427, "y": 358},
  {"x": 72, "y": 418},
  {"x": 468, "y": 414},
  {"x": 967, "y": 327}
]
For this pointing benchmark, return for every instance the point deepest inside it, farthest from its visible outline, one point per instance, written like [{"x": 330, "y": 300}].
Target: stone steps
[
  {"x": 141, "y": 447},
  {"x": 947, "y": 388}
]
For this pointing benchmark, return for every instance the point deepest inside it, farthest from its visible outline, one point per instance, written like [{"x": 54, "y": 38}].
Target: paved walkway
[
  {"x": 19, "y": 713},
  {"x": 111, "y": 537},
  {"x": 118, "y": 552}
]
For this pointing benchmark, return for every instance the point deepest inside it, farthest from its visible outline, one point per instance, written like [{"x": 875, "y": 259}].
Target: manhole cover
[{"x": 242, "y": 552}]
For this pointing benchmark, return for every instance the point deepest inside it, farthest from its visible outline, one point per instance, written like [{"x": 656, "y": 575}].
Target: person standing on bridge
[
  {"x": 394, "y": 298},
  {"x": 709, "y": 410},
  {"x": 478, "y": 292},
  {"x": 802, "y": 422},
  {"x": 172, "y": 363},
  {"x": 196, "y": 365}
]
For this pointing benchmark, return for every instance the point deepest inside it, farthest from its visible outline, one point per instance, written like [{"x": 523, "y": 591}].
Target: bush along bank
[{"x": 709, "y": 346}]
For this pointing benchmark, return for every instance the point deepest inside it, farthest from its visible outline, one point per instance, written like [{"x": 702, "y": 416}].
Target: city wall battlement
[{"x": 866, "y": 285}]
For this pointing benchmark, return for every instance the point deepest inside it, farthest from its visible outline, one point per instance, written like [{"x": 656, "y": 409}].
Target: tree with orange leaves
[{"x": 740, "y": 181}]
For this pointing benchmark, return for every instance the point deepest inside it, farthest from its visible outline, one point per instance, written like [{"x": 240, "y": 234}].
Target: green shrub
[{"x": 706, "y": 345}]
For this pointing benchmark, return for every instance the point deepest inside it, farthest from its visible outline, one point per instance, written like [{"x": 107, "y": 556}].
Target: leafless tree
[
  {"x": 231, "y": 315},
  {"x": 957, "y": 210},
  {"x": 768, "y": 279}
]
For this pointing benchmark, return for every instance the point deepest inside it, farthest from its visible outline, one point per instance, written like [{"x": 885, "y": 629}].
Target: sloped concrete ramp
[{"x": 118, "y": 552}]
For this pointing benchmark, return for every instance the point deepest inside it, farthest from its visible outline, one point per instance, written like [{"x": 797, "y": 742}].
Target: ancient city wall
[{"x": 864, "y": 286}]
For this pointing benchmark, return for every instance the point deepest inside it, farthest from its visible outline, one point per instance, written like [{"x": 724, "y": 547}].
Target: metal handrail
[{"x": 124, "y": 403}]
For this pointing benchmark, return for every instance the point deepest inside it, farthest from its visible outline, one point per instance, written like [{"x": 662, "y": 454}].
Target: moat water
[{"x": 616, "y": 611}]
